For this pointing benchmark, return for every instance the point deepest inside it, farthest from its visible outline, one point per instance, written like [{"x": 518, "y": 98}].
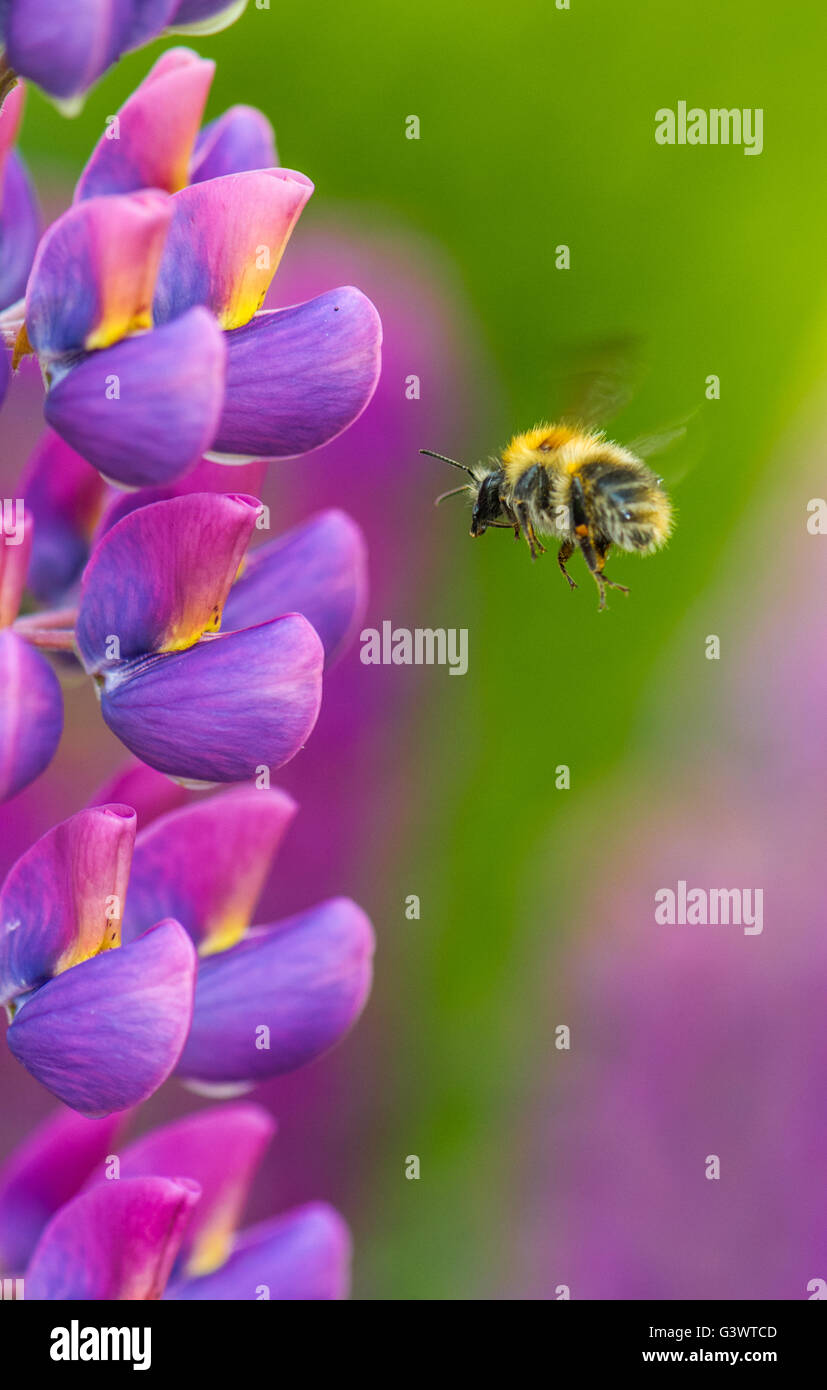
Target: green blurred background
[{"x": 537, "y": 128}]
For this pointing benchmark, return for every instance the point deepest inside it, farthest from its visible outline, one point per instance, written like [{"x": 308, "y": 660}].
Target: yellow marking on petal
[
  {"x": 247, "y": 299},
  {"x": 212, "y": 1245},
  {"x": 126, "y": 257},
  {"x": 89, "y": 944},
  {"x": 186, "y": 632},
  {"x": 22, "y": 348},
  {"x": 224, "y": 934},
  {"x": 118, "y": 324}
]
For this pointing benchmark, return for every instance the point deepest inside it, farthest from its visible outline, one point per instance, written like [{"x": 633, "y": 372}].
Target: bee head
[
  {"x": 472, "y": 489},
  {"x": 488, "y": 505}
]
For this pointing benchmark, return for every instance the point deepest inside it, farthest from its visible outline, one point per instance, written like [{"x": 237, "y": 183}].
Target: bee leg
[
  {"x": 602, "y": 552},
  {"x": 593, "y": 561},
  {"x": 565, "y": 553},
  {"x": 510, "y": 521},
  {"x": 536, "y": 547},
  {"x": 532, "y": 487}
]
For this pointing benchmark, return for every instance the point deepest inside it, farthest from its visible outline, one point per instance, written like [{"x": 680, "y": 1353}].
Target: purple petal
[
  {"x": 207, "y": 16},
  {"x": 94, "y": 274},
  {"x": 146, "y": 20},
  {"x": 63, "y": 50},
  {"x": 117, "y": 1242},
  {"x": 5, "y": 374},
  {"x": 156, "y": 130},
  {"x": 318, "y": 569},
  {"x": 19, "y": 230},
  {"x": 31, "y": 714},
  {"x": 63, "y": 900},
  {"x": 64, "y": 494},
  {"x": 220, "y": 1149},
  {"x": 297, "y": 377},
  {"x": 105, "y": 1034},
  {"x": 15, "y": 553},
  {"x": 225, "y": 241},
  {"x": 206, "y": 864},
  {"x": 149, "y": 793},
  {"x": 43, "y": 1174},
  {"x": 158, "y": 580},
  {"x": 302, "y": 1255},
  {"x": 144, "y": 411},
  {"x": 240, "y": 139},
  {"x": 281, "y": 997},
  {"x": 226, "y": 709}
]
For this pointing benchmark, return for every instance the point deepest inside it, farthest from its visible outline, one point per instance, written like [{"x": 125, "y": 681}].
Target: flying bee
[{"x": 571, "y": 483}]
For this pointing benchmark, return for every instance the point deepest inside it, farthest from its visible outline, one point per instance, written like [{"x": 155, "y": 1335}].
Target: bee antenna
[
  {"x": 455, "y": 491},
  {"x": 444, "y": 459}
]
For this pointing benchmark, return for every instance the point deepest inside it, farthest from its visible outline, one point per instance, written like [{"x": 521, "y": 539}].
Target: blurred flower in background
[{"x": 692, "y": 1041}]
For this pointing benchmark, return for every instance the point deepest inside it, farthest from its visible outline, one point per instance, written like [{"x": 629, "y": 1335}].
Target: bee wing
[
  {"x": 648, "y": 446},
  {"x": 599, "y": 380}
]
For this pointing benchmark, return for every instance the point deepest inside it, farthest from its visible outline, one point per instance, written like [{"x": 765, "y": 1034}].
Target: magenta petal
[
  {"x": 105, "y": 1034},
  {"x": 31, "y": 714},
  {"x": 282, "y": 996},
  {"x": 94, "y": 274},
  {"x": 43, "y": 1174},
  {"x": 240, "y": 139},
  {"x": 62, "y": 901},
  {"x": 302, "y": 1255},
  {"x": 159, "y": 578},
  {"x": 149, "y": 793},
  {"x": 297, "y": 377},
  {"x": 145, "y": 410},
  {"x": 227, "y": 709},
  {"x": 225, "y": 242},
  {"x": 115, "y": 1243},
  {"x": 220, "y": 1149},
  {"x": 156, "y": 130},
  {"x": 64, "y": 494},
  {"x": 206, "y": 864},
  {"x": 11, "y": 114},
  {"x": 318, "y": 569}
]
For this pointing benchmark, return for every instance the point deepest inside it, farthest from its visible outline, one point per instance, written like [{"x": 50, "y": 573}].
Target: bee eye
[{"x": 545, "y": 447}]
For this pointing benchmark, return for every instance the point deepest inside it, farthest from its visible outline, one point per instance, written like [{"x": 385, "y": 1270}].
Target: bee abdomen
[{"x": 626, "y": 503}]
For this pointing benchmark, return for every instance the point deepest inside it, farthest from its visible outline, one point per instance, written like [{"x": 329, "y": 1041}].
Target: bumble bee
[{"x": 572, "y": 483}]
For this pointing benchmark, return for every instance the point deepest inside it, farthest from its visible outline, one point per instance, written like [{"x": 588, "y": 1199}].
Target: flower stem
[
  {"x": 55, "y": 639},
  {"x": 54, "y": 630},
  {"x": 56, "y": 617}
]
